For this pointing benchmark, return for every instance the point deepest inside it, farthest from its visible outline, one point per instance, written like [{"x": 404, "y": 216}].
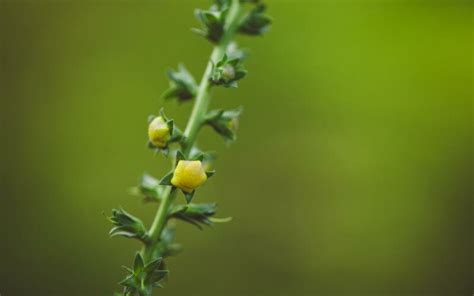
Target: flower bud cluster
[{"x": 227, "y": 72}]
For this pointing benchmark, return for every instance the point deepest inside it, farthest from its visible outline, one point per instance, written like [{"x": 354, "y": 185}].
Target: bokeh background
[{"x": 352, "y": 174}]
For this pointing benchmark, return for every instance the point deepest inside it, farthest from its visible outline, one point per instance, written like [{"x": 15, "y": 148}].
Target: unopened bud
[
  {"x": 159, "y": 132},
  {"x": 189, "y": 175}
]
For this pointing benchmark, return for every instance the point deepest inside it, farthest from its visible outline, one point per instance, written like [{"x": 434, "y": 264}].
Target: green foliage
[
  {"x": 223, "y": 4},
  {"x": 225, "y": 123},
  {"x": 183, "y": 87},
  {"x": 127, "y": 225},
  {"x": 196, "y": 214},
  {"x": 148, "y": 188},
  {"x": 191, "y": 167},
  {"x": 212, "y": 21},
  {"x": 143, "y": 277},
  {"x": 166, "y": 247},
  {"x": 234, "y": 52},
  {"x": 189, "y": 195},
  {"x": 166, "y": 180},
  {"x": 256, "y": 22}
]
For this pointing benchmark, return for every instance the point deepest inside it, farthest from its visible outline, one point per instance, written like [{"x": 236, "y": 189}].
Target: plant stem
[{"x": 195, "y": 123}]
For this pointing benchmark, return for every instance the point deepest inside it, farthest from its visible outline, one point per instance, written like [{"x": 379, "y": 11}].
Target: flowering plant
[{"x": 189, "y": 171}]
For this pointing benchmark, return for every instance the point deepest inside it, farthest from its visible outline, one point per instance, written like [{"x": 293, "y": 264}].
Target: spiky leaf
[{"x": 127, "y": 225}]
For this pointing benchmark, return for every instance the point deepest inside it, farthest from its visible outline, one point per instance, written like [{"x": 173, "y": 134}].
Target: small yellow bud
[
  {"x": 189, "y": 175},
  {"x": 159, "y": 132}
]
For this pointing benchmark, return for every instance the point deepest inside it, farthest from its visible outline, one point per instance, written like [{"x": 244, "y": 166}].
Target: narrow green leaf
[
  {"x": 129, "y": 281},
  {"x": 210, "y": 173},
  {"x": 163, "y": 115},
  {"x": 166, "y": 180},
  {"x": 199, "y": 156},
  {"x": 220, "y": 220},
  {"x": 170, "y": 125},
  {"x": 153, "y": 265},
  {"x": 188, "y": 196},
  {"x": 179, "y": 156},
  {"x": 138, "y": 264}
]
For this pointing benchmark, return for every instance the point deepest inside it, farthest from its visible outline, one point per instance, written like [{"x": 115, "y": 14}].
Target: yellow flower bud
[
  {"x": 189, "y": 175},
  {"x": 159, "y": 132}
]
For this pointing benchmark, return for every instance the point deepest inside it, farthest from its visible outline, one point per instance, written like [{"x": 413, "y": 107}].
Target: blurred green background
[{"x": 352, "y": 174}]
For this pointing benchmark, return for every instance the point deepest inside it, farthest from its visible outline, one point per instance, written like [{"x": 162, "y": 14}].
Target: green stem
[
  {"x": 196, "y": 119},
  {"x": 195, "y": 123}
]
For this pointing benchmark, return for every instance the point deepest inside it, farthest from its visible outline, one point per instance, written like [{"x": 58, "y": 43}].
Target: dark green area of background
[{"x": 352, "y": 174}]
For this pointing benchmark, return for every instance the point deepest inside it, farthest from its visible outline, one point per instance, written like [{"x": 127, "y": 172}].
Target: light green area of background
[{"x": 352, "y": 174}]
